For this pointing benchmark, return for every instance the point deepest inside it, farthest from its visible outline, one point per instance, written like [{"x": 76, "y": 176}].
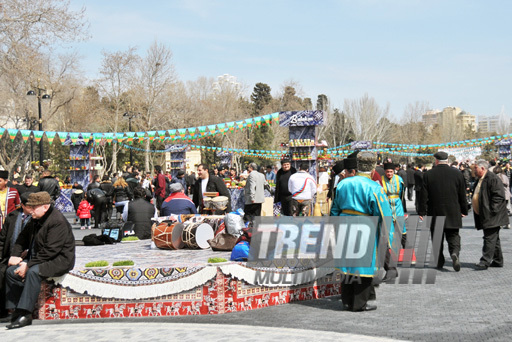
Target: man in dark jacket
[
  {"x": 444, "y": 194},
  {"x": 282, "y": 193},
  {"x": 49, "y": 184},
  {"x": 27, "y": 186},
  {"x": 108, "y": 189},
  {"x": 490, "y": 211},
  {"x": 410, "y": 181},
  {"x": 160, "y": 185},
  {"x": 180, "y": 178},
  {"x": 95, "y": 183},
  {"x": 418, "y": 184},
  {"x": 336, "y": 177},
  {"x": 209, "y": 183},
  {"x": 51, "y": 253},
  {"x": 12, "y": 227},
  {"x": 140, "y": 212}
]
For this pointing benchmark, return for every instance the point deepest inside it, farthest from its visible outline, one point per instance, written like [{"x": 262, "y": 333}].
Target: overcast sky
[{"x": 449, "y": 53}]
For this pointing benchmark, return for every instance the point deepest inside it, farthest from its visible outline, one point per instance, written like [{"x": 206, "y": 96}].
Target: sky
[{"x": 447, "y": 53}]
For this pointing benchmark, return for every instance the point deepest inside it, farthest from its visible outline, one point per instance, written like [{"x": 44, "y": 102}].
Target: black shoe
[
  {"x": 456, "y": 262},
  {"x": 439, "y": 267},
  {"x": 367, "y": 307},
  {"x": 5, "y": 317},
  {"x": 20, "y": 322},
  {"x": 390, "y": 276},
  {"x": 347, "y": 307},
  {"x": 481, "y": 266},
  {"x": 495, "y": 264}
]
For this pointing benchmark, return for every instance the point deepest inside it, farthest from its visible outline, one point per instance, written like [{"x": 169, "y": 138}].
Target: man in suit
[
  {"x": 209, "y": 183},
  {"x": 13, "y": 225},
  {"x": 418, "y": 184},
  {"x": 490, "y": 211},
  {"x": 254, "y": 192},
  {"x": 444, "y": 194},
  {"x": 51, "y": 253}
]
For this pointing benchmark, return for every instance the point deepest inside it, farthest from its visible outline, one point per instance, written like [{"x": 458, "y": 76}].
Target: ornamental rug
[{"x": 160, "y": 272}]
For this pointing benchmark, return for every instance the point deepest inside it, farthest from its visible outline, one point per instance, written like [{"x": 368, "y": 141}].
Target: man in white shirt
[{"x": 303, "y": 188}]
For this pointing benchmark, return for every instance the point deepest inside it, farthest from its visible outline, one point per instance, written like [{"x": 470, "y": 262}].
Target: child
[
  {"x": 76, "y": 198},
  {"x": 84, "y": 212}
]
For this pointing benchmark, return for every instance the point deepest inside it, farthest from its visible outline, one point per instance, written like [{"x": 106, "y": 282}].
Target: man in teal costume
[{"x": 359, "y": 195}]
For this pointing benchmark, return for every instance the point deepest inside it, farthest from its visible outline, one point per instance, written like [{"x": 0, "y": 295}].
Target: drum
[
  {"x": 196, "y": 235},
  {"x": 167, "y": 235},
  {"x": 207, "y": 203},
  {"x": 220, "y": 202}
]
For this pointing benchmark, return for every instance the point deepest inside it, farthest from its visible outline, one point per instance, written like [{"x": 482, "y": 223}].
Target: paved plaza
[{"x": 469, "y": 305}]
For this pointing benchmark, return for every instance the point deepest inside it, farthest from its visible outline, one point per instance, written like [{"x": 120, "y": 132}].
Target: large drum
[
  {"x": 168, "y": 235},
  {"x": 219, "y": 203},
  {"x": 196, "y": 235}
]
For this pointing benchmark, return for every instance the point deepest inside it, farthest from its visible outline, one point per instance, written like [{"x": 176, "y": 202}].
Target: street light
[
  {"x": 130, "y": 116},
  {"x": 40, "y": 96}
]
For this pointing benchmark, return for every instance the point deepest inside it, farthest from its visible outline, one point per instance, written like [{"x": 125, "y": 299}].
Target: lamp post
[
  {"x": 30, "y": 124},
  {"x": 40, "y": 96},
  {"x": 130, "y": 116}
]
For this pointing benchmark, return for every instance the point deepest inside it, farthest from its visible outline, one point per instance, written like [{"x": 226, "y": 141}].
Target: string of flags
[{"x": 189, "y": 134}]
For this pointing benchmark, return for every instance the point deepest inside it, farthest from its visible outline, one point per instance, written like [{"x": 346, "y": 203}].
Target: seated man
[
  {"x": 13, "y": 225},
  {"x": 51, "y": 253},
  {"x": 140, "y": 212},
  {"x": 177, "y": 203}
]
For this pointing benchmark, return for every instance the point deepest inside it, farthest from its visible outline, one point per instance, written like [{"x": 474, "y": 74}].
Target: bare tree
[
  {"x": 155, "y": 75},
  {"x": 366, "y": 118},
  {"x": 28, "y": 31},
  {"x": 116, "y": 81}
]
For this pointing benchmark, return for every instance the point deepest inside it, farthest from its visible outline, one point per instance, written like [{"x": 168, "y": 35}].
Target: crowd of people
[{"x": 36, "y": 240}]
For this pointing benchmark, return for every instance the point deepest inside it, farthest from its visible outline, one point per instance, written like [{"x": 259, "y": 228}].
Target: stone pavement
[{"x": 469, "y": 305}]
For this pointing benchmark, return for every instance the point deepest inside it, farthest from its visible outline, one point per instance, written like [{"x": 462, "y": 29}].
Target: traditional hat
[
  {"x": 366, "y": 161},
  {"x": 175, "y": 187},
  {"x": 389, "y": 166},
  {"x": 350, "y": 164},
  {"x": 39, "y": 198},
  {"x": 4, "y": 174},
  {"x": 338, "y": 167},
  {"x": 441, "y": 155}
]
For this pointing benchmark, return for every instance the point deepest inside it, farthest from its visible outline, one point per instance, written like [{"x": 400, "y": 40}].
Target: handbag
[{"x": 223, "y": 242}]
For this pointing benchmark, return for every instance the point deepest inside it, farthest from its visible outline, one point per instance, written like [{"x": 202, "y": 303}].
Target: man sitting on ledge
[{"x": 51, "y": 253}]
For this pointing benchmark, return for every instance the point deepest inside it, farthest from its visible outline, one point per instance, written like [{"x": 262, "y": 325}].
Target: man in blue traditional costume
[
  {"x": 394, "y": 187},
  {"x": 359, "y": 195}
]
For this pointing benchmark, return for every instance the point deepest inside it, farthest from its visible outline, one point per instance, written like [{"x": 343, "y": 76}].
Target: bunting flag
[
  {"x": 38, "y": 135},
  {"x": 51, "y": 137},
  {"x": 182, "y": 132},
  {"x": 62, "y": 136},
  {"x": 97, "y": 137},
  {"x": 202, "y": 130},
  {"x": 85, "y": 137},
  {"x": 161, "y": 135},
  {"x": 151, "y": 135},
  {"x": 275, "y": 117},
  {"x": 212, "y": 129},
  {"x": 172, "y": 134},
  {"x": 222, "y": 128},
  {"x": 192, "y": 132},
  {"x": 257, "y": 121},
  {"x": 25, "y": 134},
  {"x": 239, "y": 125},
  {"x": 140, "y": 136},
  {"x": 268, "y": 119},
  {"x": 248, "y": 123},
  {"x": 74, "y": 137},
  {"x": 12, "y": 133},
  {"x": 119, "y": 137},
  {"x": 2, "y": 131},
  {"x": 108, "y": 137},
  {"x": 130, "y": 136},
  {"x": 231, "y": 126}
]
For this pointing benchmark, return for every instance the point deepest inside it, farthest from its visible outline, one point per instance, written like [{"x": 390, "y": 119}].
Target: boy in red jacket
[{"x": 84, "y": 212}]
